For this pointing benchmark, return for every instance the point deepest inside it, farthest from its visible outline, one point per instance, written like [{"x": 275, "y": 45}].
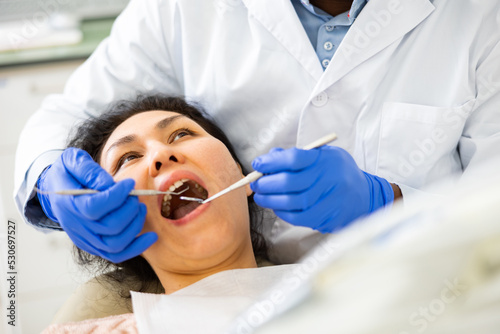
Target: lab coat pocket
[{"x": 418, "y": 144}]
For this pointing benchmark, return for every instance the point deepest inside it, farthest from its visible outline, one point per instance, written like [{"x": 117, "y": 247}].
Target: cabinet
[{"x": 46, "y": 275}]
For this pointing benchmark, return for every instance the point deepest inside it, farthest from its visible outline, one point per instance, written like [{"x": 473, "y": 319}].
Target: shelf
[{"x": 94, "y": 31}]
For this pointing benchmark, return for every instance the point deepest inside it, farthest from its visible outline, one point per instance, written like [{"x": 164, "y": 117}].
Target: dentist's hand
[
  {"x": 321, "y": 188},
  {"x": 104, "y": 224}
]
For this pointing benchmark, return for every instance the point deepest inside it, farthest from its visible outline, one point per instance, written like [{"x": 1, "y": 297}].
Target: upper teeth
[
  {"x": 173, "y": 187},
  {"x": 177, "y": 185}
]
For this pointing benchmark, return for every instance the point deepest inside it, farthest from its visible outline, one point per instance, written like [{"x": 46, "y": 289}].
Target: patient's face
[{"x": 164, "y": 150}]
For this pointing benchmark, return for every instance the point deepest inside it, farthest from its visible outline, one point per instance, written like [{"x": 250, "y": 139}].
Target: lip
[{"x": 170, "y": 180}]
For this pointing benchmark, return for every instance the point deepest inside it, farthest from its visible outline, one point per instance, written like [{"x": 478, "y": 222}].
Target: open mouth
[{"x": 175, "y": 208}]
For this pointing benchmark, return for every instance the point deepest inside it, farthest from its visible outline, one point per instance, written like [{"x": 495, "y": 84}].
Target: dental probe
[
  {"x": 133, "y": 192},
  {"x": 256, "y": 175}
]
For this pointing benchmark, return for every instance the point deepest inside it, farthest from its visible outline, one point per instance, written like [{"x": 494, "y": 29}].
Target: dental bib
[{"x": 207, "y": 306}]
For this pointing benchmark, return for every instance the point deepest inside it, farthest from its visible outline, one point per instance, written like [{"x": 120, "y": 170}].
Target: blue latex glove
[
  {"x": 104, "y": 224},
  {"x": 322, "y": 188}
]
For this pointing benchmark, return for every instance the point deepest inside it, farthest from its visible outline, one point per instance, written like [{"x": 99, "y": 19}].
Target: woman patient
[{"x": 166, "y": 144}]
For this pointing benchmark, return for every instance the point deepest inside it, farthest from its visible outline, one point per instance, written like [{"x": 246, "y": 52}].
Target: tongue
[{"x": 184, "y": 210}]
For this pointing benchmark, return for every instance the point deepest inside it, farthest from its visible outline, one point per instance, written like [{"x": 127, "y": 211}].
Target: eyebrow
[
  {"x": 132, "y": 138},
  {"x": 122, "y": 141},
  {"x": 167, "y": 121}
]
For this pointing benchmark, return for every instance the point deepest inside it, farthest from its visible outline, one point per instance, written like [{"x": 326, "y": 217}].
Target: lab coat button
[
  {"x": 328, "y": 46},
  {"x": 320, "y": 100}
]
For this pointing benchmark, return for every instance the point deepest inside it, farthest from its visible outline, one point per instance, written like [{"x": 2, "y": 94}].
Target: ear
[{"x": 248, "y": 190}]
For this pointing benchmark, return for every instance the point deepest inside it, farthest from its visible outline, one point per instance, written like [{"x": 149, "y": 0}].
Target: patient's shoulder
[{"x": 123, "y": 323}]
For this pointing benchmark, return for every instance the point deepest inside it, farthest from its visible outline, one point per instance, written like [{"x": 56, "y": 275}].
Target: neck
[
  {"x": 333, "y": 7},
  {"x": 173, "y": 281}
]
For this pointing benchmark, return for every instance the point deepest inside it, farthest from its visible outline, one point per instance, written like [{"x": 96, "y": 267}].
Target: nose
[{"x": 162, "y": 158}]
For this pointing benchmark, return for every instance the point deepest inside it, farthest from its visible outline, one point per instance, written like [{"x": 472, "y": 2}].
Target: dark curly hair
[{"x": 91, "y": 136}]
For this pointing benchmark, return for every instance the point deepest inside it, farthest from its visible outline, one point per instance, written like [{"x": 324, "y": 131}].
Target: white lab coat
[{"x": 413, "y": 91}]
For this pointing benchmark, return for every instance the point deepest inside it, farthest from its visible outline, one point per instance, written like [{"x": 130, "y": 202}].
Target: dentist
[{"x": 411, "y": 87}]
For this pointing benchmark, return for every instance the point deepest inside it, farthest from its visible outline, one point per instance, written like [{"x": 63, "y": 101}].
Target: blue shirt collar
[{"x": 356, "y": 8}]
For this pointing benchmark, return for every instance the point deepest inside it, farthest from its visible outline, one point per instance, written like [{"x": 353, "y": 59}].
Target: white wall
[{"x": 46, "y": 274}]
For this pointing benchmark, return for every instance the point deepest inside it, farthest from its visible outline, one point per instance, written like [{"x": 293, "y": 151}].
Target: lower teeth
[{"x": 183, "y": 210}]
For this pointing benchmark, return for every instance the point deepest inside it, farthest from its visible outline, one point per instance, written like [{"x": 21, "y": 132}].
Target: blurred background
[{"x": 41, "y": 44}]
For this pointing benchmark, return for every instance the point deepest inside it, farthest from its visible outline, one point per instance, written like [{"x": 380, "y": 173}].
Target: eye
[
  {"x": 127, "y": 157},
  {"x": 180, "y": 133}
]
